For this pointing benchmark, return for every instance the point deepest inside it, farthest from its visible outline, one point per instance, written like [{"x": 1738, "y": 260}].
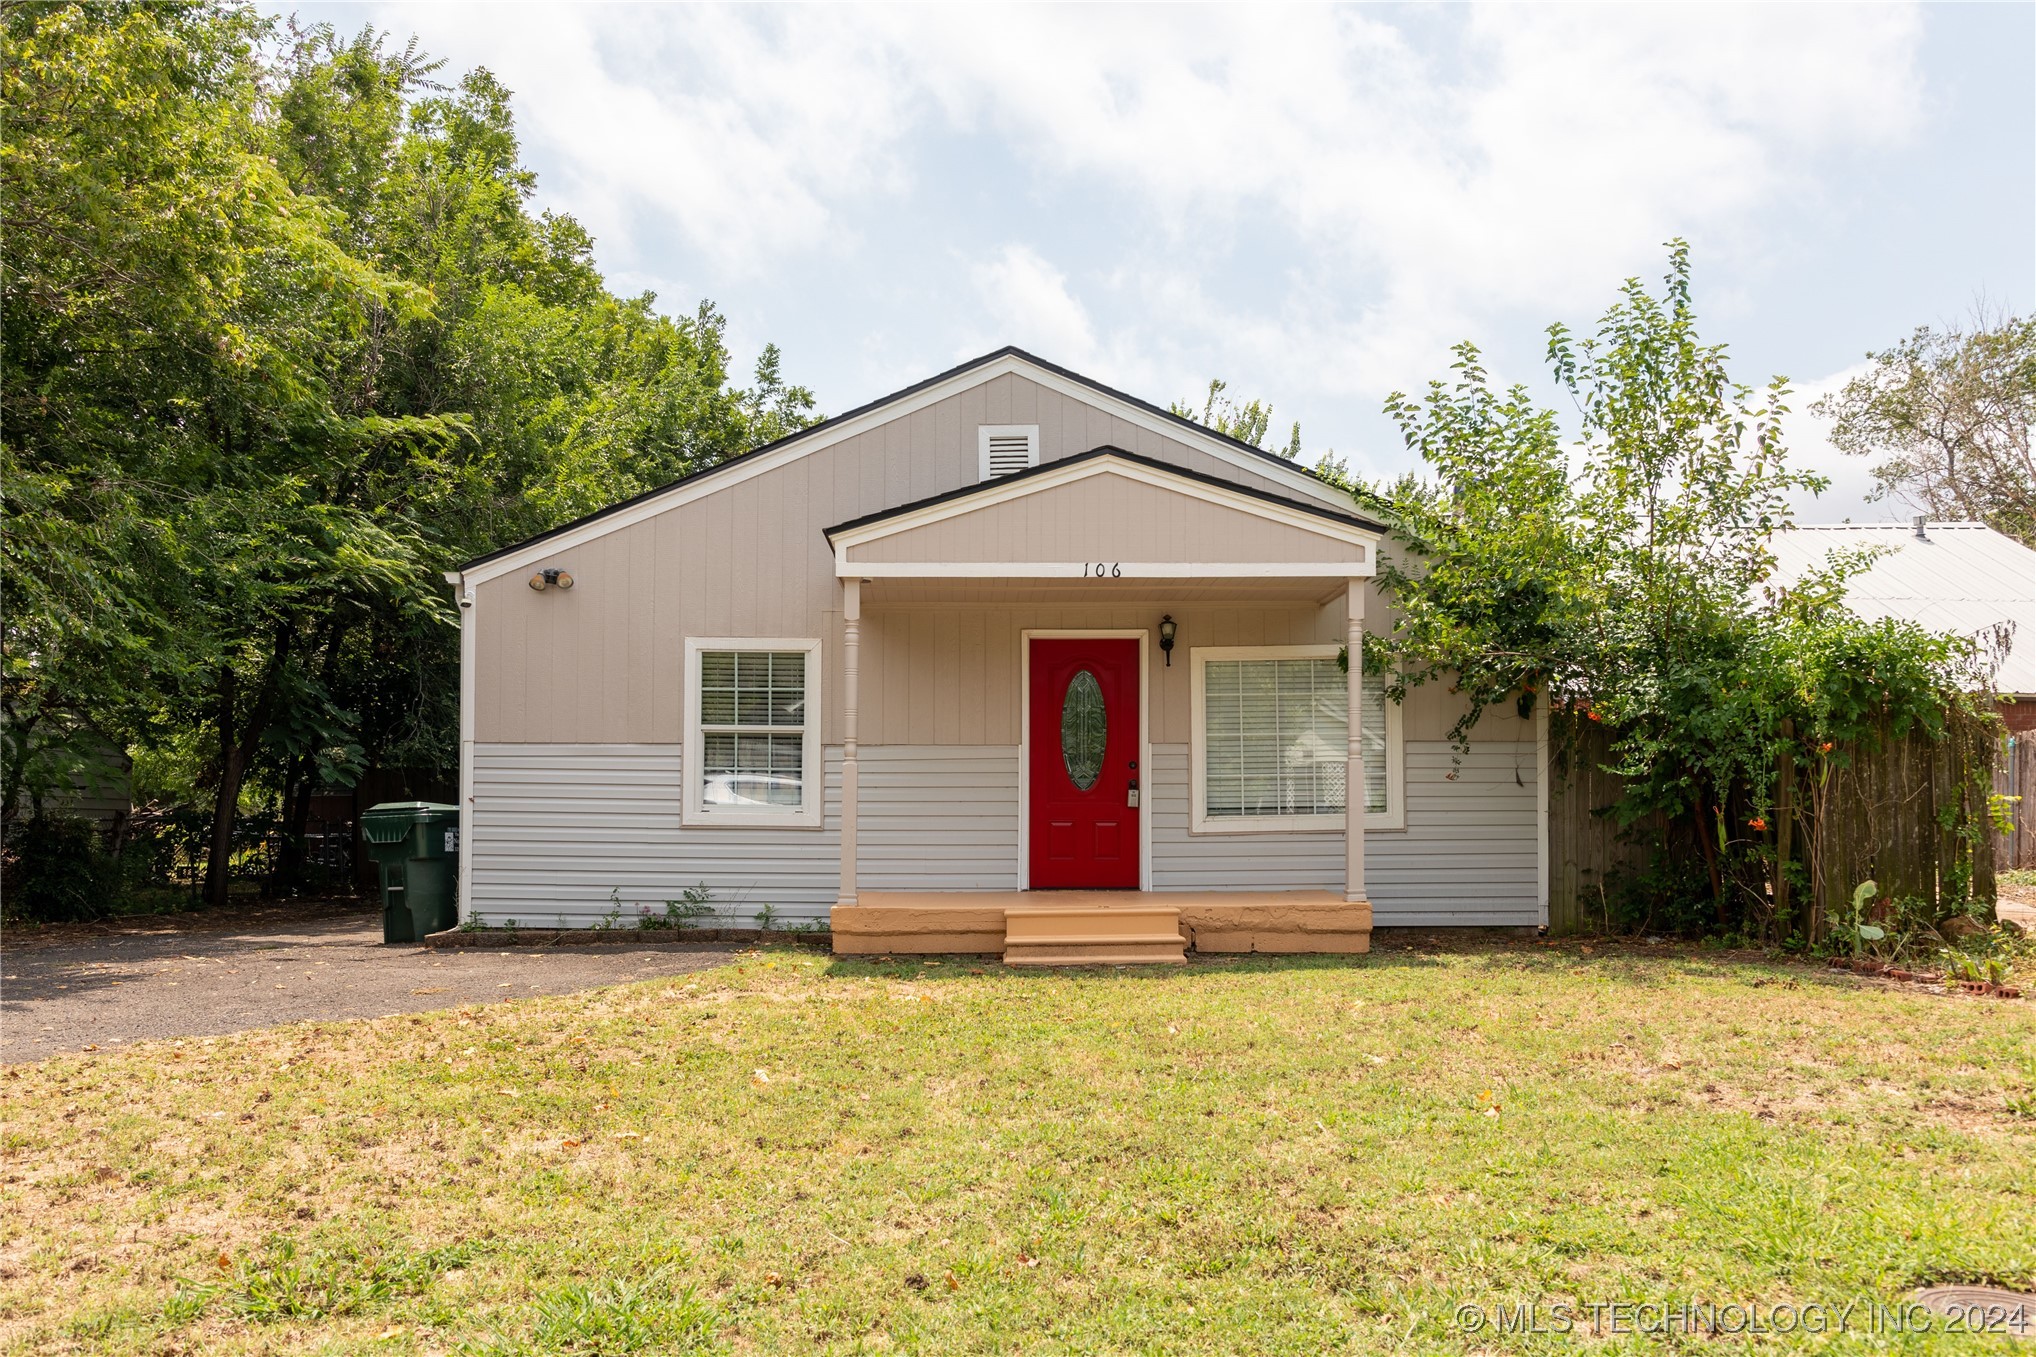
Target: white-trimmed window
[
  {"x": 1270, "y": 742},
  {"x": 752, "y": 732}
]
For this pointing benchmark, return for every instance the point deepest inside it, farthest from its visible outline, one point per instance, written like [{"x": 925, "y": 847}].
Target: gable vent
[{"x": 1008, "y": 448}]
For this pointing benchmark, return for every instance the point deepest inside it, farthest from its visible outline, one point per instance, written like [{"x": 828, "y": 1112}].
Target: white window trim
[
  {"x": 694, "y": 809},
  {"x": 1200, "y": 822},
  {"x": 985, "y": 432}
]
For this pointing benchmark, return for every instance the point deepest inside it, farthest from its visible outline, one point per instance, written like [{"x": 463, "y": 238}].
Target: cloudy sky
[{"x": 1310, "y": 203}]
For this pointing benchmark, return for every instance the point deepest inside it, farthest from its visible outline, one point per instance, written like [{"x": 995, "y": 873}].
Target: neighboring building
[
  {"x": 1963, "y": 578},
  {"x": 79, "y": 774},
  {"x": 1005, "y": 662}
]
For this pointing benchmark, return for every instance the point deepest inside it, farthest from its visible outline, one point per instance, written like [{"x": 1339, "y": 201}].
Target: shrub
[
  {"x": 57, "y": 870},
  {"x": 1620, "y": 576}
]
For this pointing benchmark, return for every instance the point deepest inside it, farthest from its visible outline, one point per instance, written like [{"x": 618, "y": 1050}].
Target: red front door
[{"x": 1084, "y": 775}]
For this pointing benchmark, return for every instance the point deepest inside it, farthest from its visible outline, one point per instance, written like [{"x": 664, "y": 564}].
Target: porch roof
[{"x": 1111, "y": 513}]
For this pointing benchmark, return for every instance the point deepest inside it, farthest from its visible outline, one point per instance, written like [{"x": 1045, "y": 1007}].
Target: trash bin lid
[
  {"x": 392, "y": 822},
  {"x": 407, "y": 809}
]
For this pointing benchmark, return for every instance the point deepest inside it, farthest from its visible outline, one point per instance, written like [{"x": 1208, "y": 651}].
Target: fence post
[{"x": 1784, "y": 824}]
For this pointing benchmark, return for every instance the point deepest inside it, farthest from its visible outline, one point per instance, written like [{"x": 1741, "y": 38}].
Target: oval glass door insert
[{"x": 1082, "y": 728}]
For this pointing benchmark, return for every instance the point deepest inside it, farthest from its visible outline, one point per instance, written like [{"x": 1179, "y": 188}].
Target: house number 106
[{"x": 1099, "y": 569}]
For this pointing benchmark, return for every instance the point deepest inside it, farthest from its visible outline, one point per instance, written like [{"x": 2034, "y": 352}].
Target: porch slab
[{"x": 922, "y": 922}]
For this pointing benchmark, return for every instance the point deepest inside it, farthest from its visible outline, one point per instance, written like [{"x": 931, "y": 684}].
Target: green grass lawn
[{"x": 800, "y": 1154}]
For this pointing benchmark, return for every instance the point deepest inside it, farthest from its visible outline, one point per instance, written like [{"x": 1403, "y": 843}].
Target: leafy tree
[
  {"x": 1494, "y": 582},
  {"x": 1949, "y": 411},
  {"x": 1247, "y": 423},
  {"x": 1623, "y": 574},
  {"x": 281, "y": 341}
]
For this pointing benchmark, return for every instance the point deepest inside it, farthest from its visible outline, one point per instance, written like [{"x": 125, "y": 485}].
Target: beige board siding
[
  {"x": 604, "y": 662},
  {"x": 931, "y": 673},
  {"x": 1107, "y": 517},
  {"x": 1467, "y": 855},
  {"x": 952, "y": 675},
  {"x": 938, "y": 674}
]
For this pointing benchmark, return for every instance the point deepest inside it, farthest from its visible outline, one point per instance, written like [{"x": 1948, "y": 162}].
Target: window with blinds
[
  {"x": 1273, "y": 740},
  {"x": 753, "y": 746},
  {"x": 752, "y": 727}
]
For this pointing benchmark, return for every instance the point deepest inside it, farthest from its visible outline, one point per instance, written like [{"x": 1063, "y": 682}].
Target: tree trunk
[
  {"x": 292, "y": 861},
  {"x": 1820, "y": 805},
  {"x": 1707, "y": 840},
  {"x": 1784, "y": 833},
  {"x": 237, "y": 743},
  {"x": 232, "y": 769}
]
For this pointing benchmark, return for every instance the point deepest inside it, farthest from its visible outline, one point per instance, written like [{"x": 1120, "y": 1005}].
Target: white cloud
[
  {"x": 1025, "y": 301},
  {"x": 1811, "y": 449},
  {"x": 1391, "y": 180},
  {"x": 747, "y": 132},
  {"x": 1515, "y": 162},
  {"x": 1524, "y": 133}
]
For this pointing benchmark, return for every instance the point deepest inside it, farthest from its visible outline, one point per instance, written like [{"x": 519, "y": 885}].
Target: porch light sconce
[
  {"x": 551, "y": 578},
  {"x": 1167, "y": 628}
]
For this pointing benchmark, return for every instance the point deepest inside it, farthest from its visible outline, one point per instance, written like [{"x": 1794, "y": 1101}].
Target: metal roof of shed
[{"x": 1956, "y": 577}]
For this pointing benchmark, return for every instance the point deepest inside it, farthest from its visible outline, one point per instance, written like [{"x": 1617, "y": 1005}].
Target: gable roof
[
  {"x": 1011, "y": 359},
  {"x": 1957, "y": 577},
  {"x": 1058, "y": 470}
]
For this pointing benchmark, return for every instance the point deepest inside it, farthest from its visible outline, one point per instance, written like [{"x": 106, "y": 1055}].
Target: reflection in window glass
[
  {"x": 1275, "y": 734},
  {"x": 752, "y": 727}
]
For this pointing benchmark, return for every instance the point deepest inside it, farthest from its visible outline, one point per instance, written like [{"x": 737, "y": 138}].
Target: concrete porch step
[
  {"x": 1090, "y": 954},
  {"x": 1118, "y": 935}
]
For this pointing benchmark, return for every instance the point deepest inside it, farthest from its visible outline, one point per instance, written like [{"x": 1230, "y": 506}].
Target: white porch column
[
  {"x": 851, "y": 634},
  {"x": 1353, "y": 776}
]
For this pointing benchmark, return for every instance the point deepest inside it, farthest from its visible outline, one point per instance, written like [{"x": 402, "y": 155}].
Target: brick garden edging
[
  {"x": 620, "y": 937},
  {"x": 1931, "y": 980}
]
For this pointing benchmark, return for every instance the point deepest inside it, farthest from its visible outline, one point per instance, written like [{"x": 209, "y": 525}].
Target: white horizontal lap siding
[
  {"x": 1467, "y": 855},
  {"x": 938, "y": 817},
  {"x": 559, "y": 830}
]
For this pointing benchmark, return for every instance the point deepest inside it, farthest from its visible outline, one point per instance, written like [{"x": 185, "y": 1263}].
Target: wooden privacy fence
[
  {"x": 2015, "y": 777},
  {"x": 1586, "y": 851},
  {"x": 1890, "y": 816}
]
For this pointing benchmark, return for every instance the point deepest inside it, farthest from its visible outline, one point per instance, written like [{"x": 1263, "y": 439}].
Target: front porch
[
  {"x": 1100, "y": 927},
  {"x": 1051, "y": 553}
]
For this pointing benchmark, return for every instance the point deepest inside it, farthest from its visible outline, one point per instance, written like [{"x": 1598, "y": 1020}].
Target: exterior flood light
[
  {"x": 551, "y": 578},
  {"x": 1167, "y": 628}
]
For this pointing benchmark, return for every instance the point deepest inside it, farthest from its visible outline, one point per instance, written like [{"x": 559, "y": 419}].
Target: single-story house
[
  {"x": 1963, "y": 578},
  {"x": 1005, "y": 662}
]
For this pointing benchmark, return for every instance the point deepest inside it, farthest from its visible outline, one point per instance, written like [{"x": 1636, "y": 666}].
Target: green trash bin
[{"x": 416, "y": 845}]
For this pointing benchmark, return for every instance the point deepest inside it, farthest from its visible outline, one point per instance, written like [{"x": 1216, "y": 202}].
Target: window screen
[
  {"x": 753, "y": 728},
  {"x": 1275, "y": 738}
]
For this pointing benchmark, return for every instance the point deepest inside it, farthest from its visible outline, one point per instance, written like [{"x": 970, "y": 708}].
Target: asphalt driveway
[{"x": 107, "y": 990}]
